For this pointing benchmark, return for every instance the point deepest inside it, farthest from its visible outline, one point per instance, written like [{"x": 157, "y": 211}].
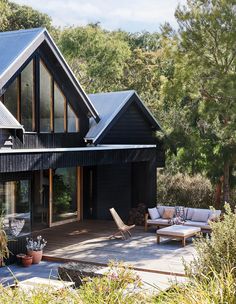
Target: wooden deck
[{"x": 89, "y": 241}]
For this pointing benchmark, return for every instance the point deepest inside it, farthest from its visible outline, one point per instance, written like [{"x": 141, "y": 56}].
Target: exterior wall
[
  {"x": 130, "y": 128},
  {"x": 113, "y": 190}
]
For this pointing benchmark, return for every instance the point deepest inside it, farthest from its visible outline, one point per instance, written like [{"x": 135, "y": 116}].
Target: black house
[{"x": 64, "y": 155}]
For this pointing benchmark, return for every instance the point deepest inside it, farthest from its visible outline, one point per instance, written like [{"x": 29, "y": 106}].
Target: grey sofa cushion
[
  {"x": 200, "y": 215},
  {"x": 202, "y": 225},
  {"x": 159, "y": 221},
  {"x": 153, "y": 212},
  {"x": 189, "y": 213}
]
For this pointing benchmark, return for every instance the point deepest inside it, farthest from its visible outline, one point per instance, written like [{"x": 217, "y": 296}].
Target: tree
[
  {"x": 15, "y": 17},
  {"x": 97, "y": 56},
  {"x": 203, "y": 88}
]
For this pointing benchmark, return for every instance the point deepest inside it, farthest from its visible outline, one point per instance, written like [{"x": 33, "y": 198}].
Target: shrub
[
  {"x": 214, "y": 289},
  {"x": 184, "y": 190},
  {"x": 120, "y": 285},
  {"x": 217, "y": 251}
]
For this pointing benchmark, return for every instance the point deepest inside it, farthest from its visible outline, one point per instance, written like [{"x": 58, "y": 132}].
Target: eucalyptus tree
[{"x": 203, "y": 88}]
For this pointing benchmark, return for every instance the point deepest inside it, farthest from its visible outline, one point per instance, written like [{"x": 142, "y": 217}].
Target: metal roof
[
  {"x": 108, "y": 106},
  {"x": 7, "y": 120},
  {"x": 17, "y": 46}
]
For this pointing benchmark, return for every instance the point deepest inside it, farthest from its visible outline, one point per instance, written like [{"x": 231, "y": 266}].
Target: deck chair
[{"x": 122, "y": 228}]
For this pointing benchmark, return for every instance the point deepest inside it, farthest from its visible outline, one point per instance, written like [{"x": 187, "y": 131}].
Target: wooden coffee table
[{"x": 177, "y": 232}]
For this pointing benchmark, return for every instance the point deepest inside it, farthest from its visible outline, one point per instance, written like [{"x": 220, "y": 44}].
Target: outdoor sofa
[{"x": 161, "y": 216}]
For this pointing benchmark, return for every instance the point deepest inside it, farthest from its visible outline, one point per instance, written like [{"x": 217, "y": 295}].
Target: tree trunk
[
  {"x": 218, "y": 194},
  {"x": 226, "y": 182}
]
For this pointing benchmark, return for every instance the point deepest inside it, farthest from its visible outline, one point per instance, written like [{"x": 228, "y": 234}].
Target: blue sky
[{"x": 129, "y": 15}]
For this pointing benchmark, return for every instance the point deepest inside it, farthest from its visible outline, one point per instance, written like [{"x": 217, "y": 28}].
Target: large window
[
  {"x": 59, "y": 110},
  {"x": 11, "y": 98},
  {"x": 72, "y": 120},
  {"x": 45, "y": 99},
  {"x": 55, "y": 113},
  {"x": 64, "y": 194},
  {"x": 15, "y": 206},
  {"x": 27, "y": 97},
  {"x": 21, "y": 105}
]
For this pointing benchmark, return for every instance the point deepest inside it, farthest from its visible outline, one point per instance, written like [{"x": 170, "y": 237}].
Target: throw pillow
[
  {"x": 154, "y": 214},
  {"x": 189, "y": 213},
  {"x": 168, "y": 213},
  {"x": 200, "y": 215},
  {"x": 160, "y": 210}
]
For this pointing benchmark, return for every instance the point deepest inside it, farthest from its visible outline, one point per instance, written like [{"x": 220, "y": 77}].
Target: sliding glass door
[{"x": 15, "y": 202}]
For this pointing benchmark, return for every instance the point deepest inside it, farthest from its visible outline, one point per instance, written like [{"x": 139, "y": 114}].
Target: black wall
[
  {"x": 113, "y": 184},
  {"x": 130, "y": 128}
]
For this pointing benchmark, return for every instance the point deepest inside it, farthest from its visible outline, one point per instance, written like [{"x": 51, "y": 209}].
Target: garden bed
[{"x": 76, "y": 272}]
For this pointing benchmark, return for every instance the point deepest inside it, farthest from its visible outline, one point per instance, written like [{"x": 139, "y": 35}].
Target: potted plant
[
  {"x": 26, "y": 260},
  {"x": 35, "y": 248},
  {"x": 4, "y": 251}
]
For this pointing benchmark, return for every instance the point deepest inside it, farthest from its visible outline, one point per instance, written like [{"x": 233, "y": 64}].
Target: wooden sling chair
[{"x": 122, "y": 228}]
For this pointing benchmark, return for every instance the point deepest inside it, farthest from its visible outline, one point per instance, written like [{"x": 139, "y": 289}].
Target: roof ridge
[{"x": 22, "y": 31}]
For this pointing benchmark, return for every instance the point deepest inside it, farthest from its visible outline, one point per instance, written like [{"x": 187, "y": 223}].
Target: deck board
[{"x": 88, "y": 241}]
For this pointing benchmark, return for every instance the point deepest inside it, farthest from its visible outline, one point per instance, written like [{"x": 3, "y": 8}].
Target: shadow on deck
[{"x": 89, "y": 241}]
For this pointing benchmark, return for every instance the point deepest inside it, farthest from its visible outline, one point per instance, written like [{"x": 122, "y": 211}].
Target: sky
[{"x": 129, "y": 15}]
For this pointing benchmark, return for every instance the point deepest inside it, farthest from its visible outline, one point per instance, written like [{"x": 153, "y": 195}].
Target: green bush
[
  {"x": 215, "y": 289},
  {"x": 120, "y": 285},
  {"x": 217, "y": 251},
  {"x": 184, "y": 190}
]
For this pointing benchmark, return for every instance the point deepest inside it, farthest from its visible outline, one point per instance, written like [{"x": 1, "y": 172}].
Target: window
[
  {"x": 11, "y": 98},
  {"x": 59, "y": 110},
  {"x": 27, "y": 97},
  {"x": 45, "y": 99},
  {"x": 64, "y": 194},
  {"x": 72, "y": 120},
  {"x": 15, "y": 199}
]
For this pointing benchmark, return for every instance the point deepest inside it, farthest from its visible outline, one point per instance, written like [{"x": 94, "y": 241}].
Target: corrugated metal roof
[
  {"x": 108, "y": 106},
  {"x": 7, "y": 120},
  {"x": 17, "y": 46},
  {"x": 13, "y": 44}
]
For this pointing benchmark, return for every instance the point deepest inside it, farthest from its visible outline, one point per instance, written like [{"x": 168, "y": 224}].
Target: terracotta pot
[
  {"x": 19, "y": 257},
  {"x": 37, "y": 256},
  {"x": 26, "y": 260}
]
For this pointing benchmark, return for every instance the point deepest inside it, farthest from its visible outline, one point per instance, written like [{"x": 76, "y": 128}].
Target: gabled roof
[
  {"x": 8, "y": 121},
  {"x": 110, "y": 106},
  {"x": 17, "y": 46}
]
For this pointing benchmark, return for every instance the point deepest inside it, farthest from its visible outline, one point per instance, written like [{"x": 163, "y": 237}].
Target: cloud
[{"x": 133, "y": 15}]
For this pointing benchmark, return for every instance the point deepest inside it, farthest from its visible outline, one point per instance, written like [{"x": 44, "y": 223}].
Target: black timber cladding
[
  {"x": 130, "y": 128},
  {"x": 24, "y": 161}
]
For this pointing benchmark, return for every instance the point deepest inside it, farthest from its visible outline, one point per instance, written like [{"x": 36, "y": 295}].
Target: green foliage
[
  {"x": 202, "y": 89},
  {"x": 15, "y": 16},
  {"x": 215, "y": 289},
  {"x": 184, "y": 190},
  {"x": 62, "y": 197},
  {"x": 120, "y": 285},
  {"x": 217, "y": 251},
  {"x": 4, "y": 251},
  {"x": 97, "y": 56}
]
